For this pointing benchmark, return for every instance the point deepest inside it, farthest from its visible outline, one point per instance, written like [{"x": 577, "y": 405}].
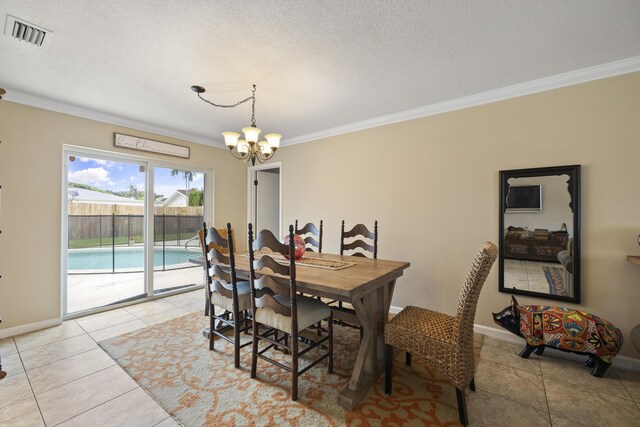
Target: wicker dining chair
[
  {"x": 358, "y": 233},
  {"x": 444, "y": 341},
  {"x": 2, "y": 373},
  {"x": 311, "y": 235},
  {"x": 277, "y": 306},
  {"x": 224, "y": 290}
]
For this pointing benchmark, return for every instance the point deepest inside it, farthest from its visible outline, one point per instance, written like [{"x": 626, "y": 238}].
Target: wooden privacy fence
[
  {"x": 107, "y": 230},
  {"x": 83, "y": 208}
]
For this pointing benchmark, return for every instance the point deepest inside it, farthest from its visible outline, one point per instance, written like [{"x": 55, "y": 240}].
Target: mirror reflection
[{"x": 538, "y": 227}]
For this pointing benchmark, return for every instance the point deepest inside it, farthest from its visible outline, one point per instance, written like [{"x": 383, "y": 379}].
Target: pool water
[{"x": 126, "y": 258}]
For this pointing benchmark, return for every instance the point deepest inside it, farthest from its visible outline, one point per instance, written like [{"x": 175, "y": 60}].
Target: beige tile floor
[
  {"x": 60, "y": 376},
  {"x": 527, "y": 275},
  {"x": 86, "y": 291}
]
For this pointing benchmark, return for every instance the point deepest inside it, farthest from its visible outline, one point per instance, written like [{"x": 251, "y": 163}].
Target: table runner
[{"x": 327, "y": 264}]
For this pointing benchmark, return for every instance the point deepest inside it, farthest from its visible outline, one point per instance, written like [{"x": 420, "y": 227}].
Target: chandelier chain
[
  {"x": 253, "y": 104},
  {"x": 225, "y": 106},
  {"x": 249, "y": 149},
  {"x": 253, "y": 107}
]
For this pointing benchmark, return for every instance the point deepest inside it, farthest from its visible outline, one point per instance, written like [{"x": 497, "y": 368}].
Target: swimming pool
[{"x": 126, "y": 259}]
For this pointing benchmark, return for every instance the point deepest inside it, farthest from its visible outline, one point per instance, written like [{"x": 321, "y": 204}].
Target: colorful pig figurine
[{"x": 565, "y": 329}]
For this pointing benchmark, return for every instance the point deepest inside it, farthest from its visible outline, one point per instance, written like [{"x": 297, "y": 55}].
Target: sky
[{"x": 118, "y": 176}]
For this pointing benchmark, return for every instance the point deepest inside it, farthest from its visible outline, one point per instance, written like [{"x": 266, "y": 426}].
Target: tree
[
  {"x": 133, "y": 191},
  {"x": 188, "y": 177},
  {"x": 196, "y": 197},
  {"x": 86, "y": 187}
]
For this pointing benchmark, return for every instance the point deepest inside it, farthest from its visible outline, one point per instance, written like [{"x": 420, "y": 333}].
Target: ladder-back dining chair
[
  {"x": 445, "y": 342},
  {"x": 311, "y": 235},
  {"x": 202, "y": 235},
  {"x": 313, "y": 243},
  {"x": 353, "y": 240},
  {"x": 277, "y": 306},
  {"x": 225, "y": 291}
]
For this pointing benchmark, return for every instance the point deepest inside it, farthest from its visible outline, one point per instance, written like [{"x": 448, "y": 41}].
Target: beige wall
[
  {"x": 433, "y": 185},
  {"x": 30, "y": 218}
]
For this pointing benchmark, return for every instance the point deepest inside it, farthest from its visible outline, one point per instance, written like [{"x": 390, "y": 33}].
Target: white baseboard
[
  {"x": 499, "y": 334},
  {"x": 29, "y": 327},
  {"x": 624, "y": 362}
]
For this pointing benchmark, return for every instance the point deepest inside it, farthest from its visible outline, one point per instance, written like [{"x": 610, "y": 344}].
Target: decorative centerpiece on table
[{"x": 298, "y": 244}]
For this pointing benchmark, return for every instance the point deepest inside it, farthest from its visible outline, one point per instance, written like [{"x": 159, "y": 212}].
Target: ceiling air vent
[{"x": 22, "y": 30}]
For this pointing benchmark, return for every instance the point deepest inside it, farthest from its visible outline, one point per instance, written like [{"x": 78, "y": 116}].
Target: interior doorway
[{"x": 265, "y": 197}]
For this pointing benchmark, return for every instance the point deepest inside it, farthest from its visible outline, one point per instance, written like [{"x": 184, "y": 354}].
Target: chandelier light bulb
[
  {"x": 273, "y": 140},
  {"x": 231, "y": 139},
  {"x": 265, "y": 148},
  {"x": 251, "y": 133},
  {"x": 243, "y": 146}
]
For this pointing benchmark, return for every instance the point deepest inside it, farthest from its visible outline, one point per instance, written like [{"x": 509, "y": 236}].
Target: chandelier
[{"x": 249, "y": 148}]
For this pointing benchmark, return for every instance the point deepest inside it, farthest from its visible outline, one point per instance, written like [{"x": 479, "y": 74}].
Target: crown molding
[
  {"x": 87, "y": 113},
  {"x": 571, "y": 78}
]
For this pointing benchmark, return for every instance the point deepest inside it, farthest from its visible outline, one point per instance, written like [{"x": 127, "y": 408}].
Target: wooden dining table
[{"x": 368, "y": 286}]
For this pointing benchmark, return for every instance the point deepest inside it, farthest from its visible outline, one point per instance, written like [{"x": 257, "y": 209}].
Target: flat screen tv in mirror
[{"x": 524, "y": 198}]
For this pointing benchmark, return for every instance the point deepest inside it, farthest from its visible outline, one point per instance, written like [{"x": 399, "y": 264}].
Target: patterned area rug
[
  {"x": 555, "y": 278},
  {"x": 200, "y": 387}
]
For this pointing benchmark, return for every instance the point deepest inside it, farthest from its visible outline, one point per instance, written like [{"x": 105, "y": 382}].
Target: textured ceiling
[{"x": 317, "y": 64}]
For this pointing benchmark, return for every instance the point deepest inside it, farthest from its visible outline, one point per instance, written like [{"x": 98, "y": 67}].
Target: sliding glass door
[
  {"x": 178, "y": 215},
  {"x": 123, "y": 242},
  {"x": 105, "y": 231}
]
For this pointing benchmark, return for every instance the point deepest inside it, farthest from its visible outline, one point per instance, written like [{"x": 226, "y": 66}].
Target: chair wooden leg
[
  {"x": 2, "y": 373},
  {"x": 388, "y": 368},
  {"x": 211, "y": 327},
  {"x": 407, "y": 359},
  {"x": 254, "y": 349},
  {"x": 294, "y": 366},
  {"x": 462, "y": 407},
  {"x": 472, "y": 386},
  {"x": 330, "y": 330},
  {"x": 246, "y": 322},
  {"x": 236, "y": 340}
]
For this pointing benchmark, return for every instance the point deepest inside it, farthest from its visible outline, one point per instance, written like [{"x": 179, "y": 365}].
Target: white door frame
[{"x": 251, "y": 205}]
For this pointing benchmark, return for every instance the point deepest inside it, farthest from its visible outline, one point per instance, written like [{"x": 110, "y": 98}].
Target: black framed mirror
[{"x": 540, "y": 232}]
